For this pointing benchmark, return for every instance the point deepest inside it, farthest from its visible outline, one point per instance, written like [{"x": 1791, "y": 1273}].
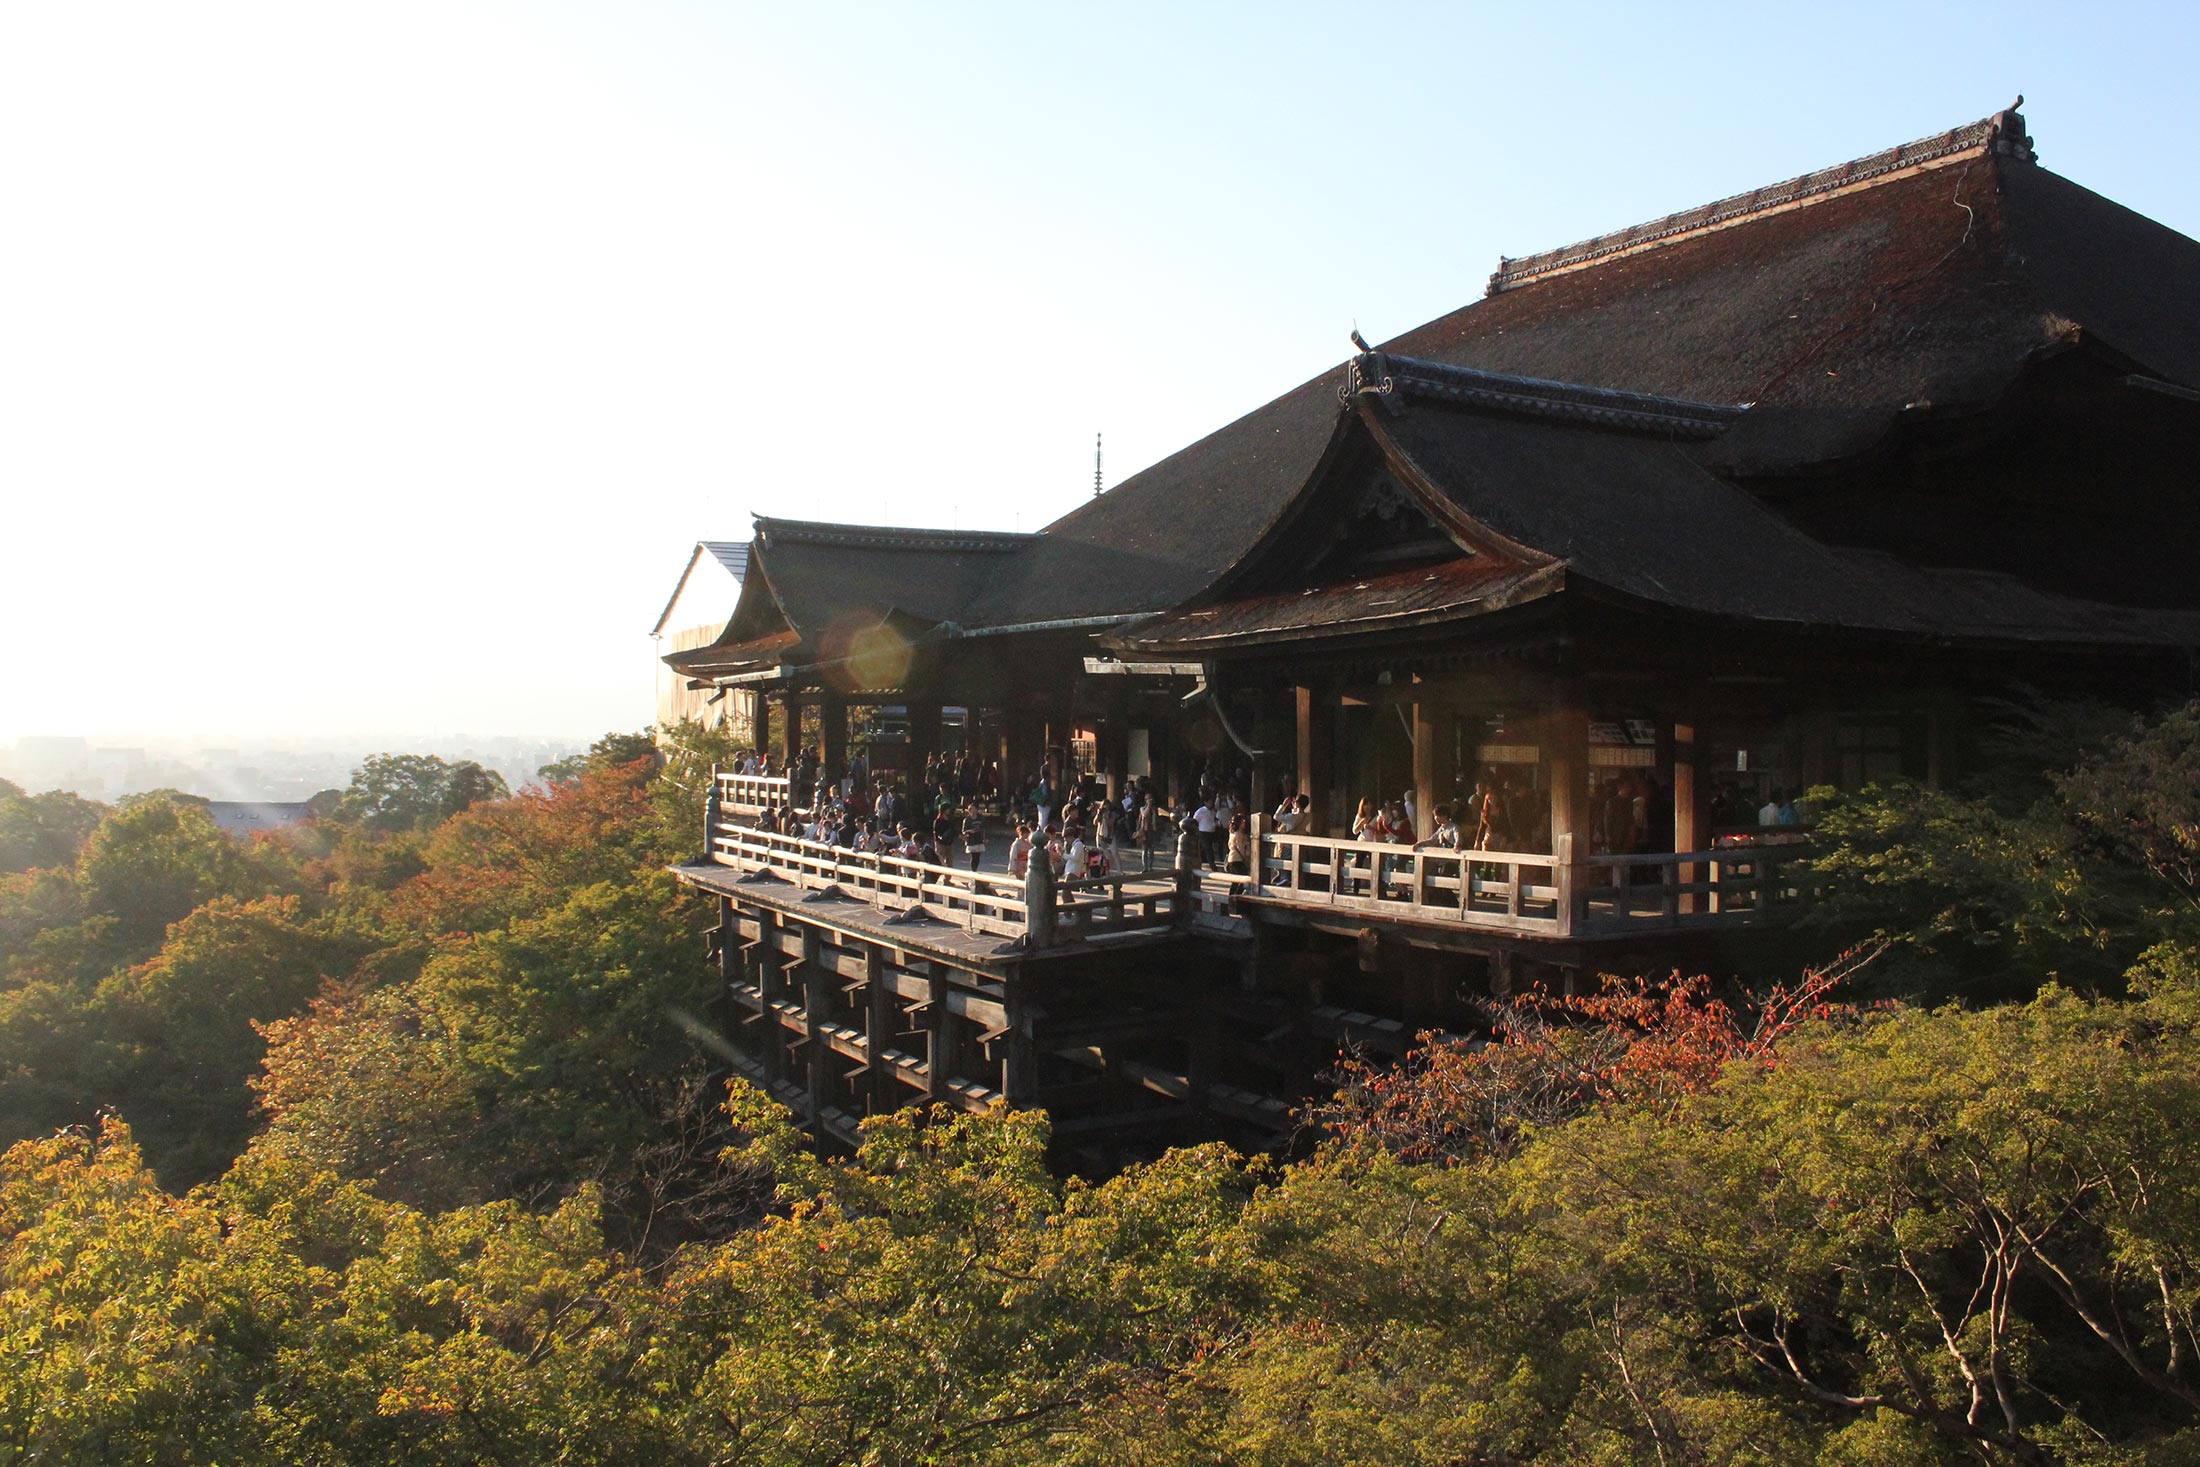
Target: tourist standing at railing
[
  {"x": 1445, "y": 837},
  {"x": 1019, "y": 852},
  {"x": 1209, "y": 825},
  {"x": 1492, "y": 822},
  {"x": 1238, "y": 858},
  {"x": 973, "y": 834},
  {"x": 1108, "y": 829},
  {"x": 1042, "y": 799},
  {"x": 1365, "y": 820}
]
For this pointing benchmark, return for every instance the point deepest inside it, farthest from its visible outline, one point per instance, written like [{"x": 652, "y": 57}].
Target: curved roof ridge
[
  {"x": 1381, "y": 375},
  {"x": 887, "y": 537},
  {"x": 2002, "y": 134}
]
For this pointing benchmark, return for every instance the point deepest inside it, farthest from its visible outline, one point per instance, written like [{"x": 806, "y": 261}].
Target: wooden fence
[
  {"x": 749, "y": 793},
  {"x": 1537, "y": 895},
  {"x": 978, "y": 901}
]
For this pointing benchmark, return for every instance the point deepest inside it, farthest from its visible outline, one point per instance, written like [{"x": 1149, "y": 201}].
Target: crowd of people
[
  {"x": 943, "y": 813},
  {"x": 949, "y": 810}
]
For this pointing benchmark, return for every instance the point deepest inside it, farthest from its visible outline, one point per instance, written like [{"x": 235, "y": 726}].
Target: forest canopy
[{"x": 385, "y": 1141}]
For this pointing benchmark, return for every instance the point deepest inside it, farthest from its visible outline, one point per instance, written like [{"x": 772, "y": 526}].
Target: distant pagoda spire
[{"x": 1096, "y": 480}]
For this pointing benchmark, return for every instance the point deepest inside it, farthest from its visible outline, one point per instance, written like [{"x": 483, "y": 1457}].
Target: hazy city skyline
[{"x": 377, "y": 369}]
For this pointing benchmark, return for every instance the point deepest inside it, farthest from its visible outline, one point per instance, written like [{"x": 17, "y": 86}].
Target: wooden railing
[
  {"x": 1732, "y": 886},
  {"x": 1538, "y": 895},
  {"x": 751, "y": 792},
  {"x": 1501, "y": 890},
  {"x": 978, "y": 901}
]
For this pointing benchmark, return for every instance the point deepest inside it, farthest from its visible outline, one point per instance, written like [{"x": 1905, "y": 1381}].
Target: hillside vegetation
[{"x": 385, "y": 1140}]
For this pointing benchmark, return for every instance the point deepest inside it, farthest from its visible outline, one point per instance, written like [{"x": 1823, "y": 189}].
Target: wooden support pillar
[
  {"x": 1020, "y": 1061},
  {"x": 817, "y": 1008},
  {"x": 1690, "y": 831},
  {"x": 944, "y": 1039},
  {"x": 1060, "y": 731},
  {"x": 1424, "y": 765},
  {"x": 1026, "y": 740},
  {"x": 882, "y": 1021},
  {"x": 771, "y": 982},
  {"x": 832, "y": 716},
  {"x": 924, "y": 738},
  {"x": 1317, "y": 727},
  {"x": 1264, "y": 768},
  {"x": 790, "y": 732},
  {"x": 730, "y": 959},
  {"x": 1115, "y": 753},
  {"x": 760, "y": 707},
  {"x": 1566, "y": 748}
]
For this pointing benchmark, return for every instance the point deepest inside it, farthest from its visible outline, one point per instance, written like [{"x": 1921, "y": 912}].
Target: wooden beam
[
  {"x": 817, "y": 1011},
  {"x": 1689, "y": 829},
  {"x": 1566, "y": 750},
  {"x": 881, "y": 1024},
  {"x": 1020, "y": 1066},
  {"x": 832, "y": 715},
  {"x": 1316, "y": 740},
  {"x": 1424, "y": 765},
  {"x": 790, "y": 733},
  {"x": 771, "y": 982},
  {"x": 944, "y": 1051}
]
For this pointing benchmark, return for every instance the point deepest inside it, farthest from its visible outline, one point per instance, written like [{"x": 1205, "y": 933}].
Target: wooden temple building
[{"x": 1761, "y": 496}]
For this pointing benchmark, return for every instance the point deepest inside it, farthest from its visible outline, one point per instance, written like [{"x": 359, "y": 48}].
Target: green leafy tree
[
  {"x": 154, "y": 860},
  {"x": 43, "y": 830},
  {"x": 177, "y": 1036},
  {"x": 612, "y": 751},
  {"x": 689, "y": 749},
  {"x": 941, "y": 1298},
  {"x": 1988, "y": 897},
  {"x": 521, "y": 1059},
  {"x": 467, "y": 785},
  {"x": 394, "y": 792}
]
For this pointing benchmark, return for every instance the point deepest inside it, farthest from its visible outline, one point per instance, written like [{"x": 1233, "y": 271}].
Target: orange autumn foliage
[{"x": 1550, "y": 1057}]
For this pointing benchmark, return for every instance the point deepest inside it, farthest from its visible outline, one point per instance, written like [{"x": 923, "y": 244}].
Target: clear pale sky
[{"x": 373, "y": 368}]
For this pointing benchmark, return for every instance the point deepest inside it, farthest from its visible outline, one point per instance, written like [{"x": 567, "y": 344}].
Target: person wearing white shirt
[{"x": 1203, "y": 820}]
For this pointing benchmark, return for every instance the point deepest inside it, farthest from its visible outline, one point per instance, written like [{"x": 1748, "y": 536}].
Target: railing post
[
  {"x": 1563, "y": 869},
  {"x": 1187, "y": 868},
  {"x": 712, "y": 811},
  {"x": 1259, "y": 826},
  {"x": 1039, "y": 900}
]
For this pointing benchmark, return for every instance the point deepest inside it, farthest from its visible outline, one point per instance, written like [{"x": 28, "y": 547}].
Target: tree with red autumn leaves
[{"x": 1553, "y": 1056}]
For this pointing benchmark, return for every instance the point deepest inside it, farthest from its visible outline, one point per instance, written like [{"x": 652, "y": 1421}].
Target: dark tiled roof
[
  {"x": 722, "y": 659},
  {"x": 823, "y": 574},
  {"x": 1366, "y": 603},
  {"x": 2003, "y": 132},
  {"x": 1831, "y": 311},
  {"x": 1380, "y": 375},
  {"x": 1641, "y": 518}
]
